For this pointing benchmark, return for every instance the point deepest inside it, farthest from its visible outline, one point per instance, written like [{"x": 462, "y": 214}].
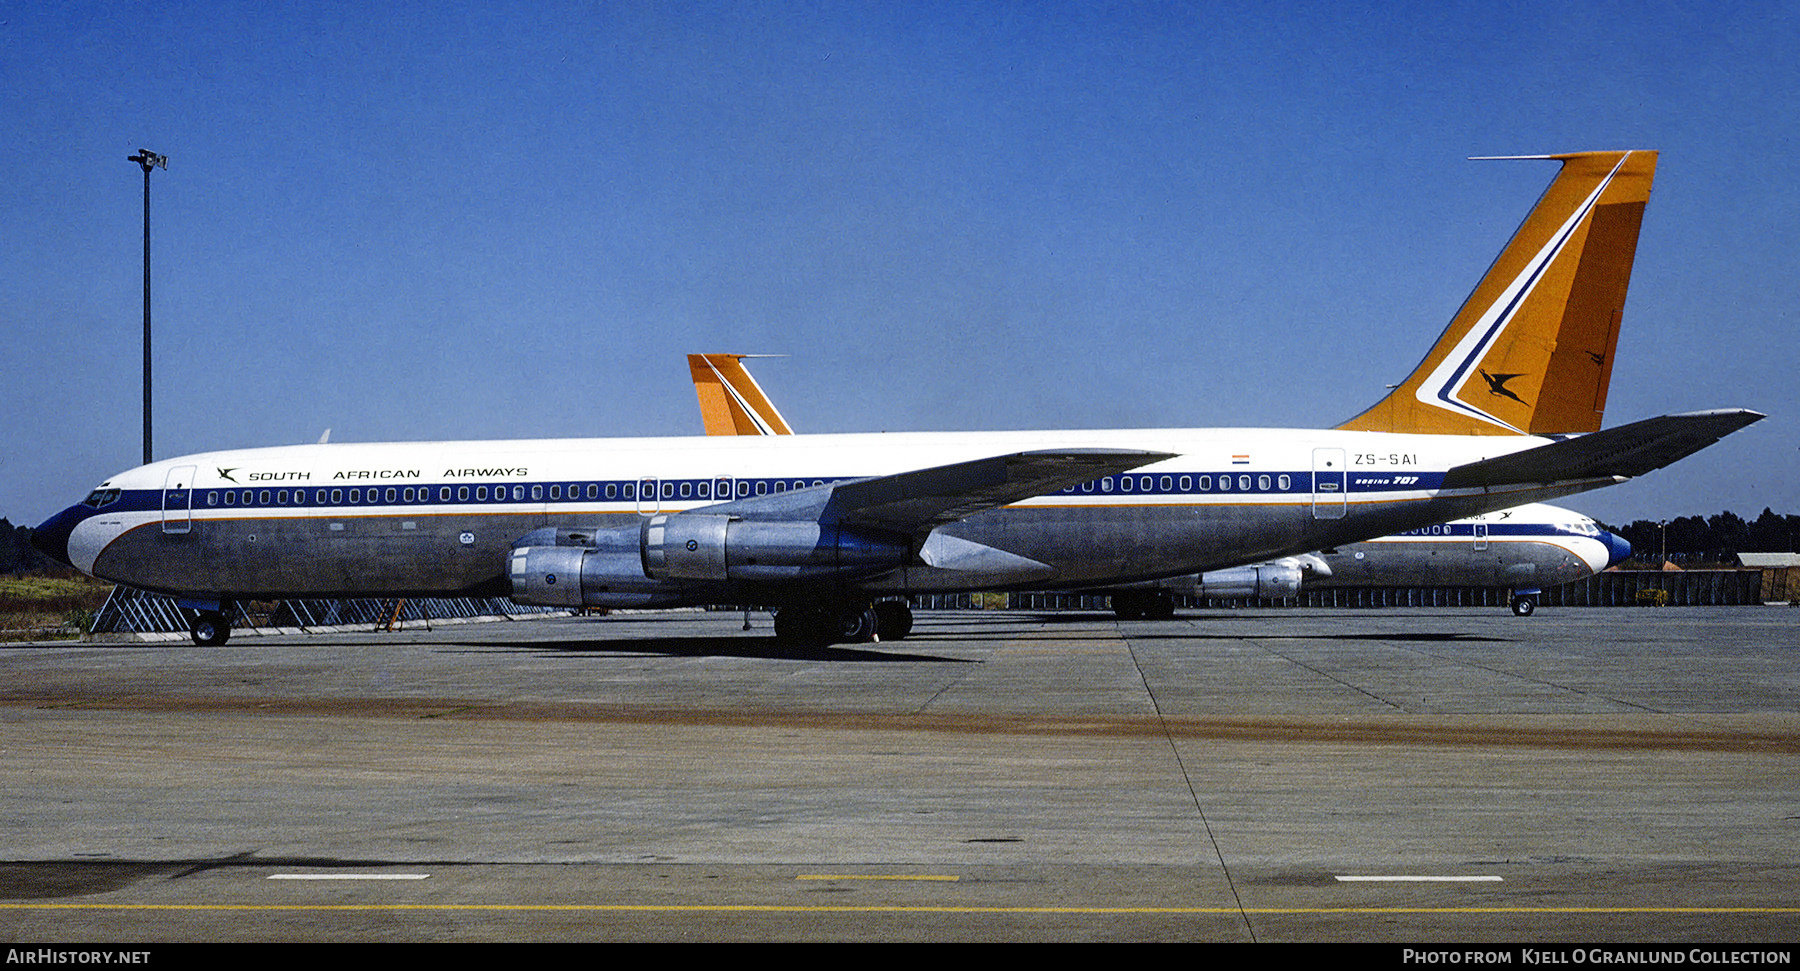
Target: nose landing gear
[
  {"x": 210, "y": 628},
  {"x": 1524, "y": 602}
]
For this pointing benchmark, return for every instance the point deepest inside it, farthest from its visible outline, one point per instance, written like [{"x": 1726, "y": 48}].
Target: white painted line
[
  {"x": 1401, "y": 878},
  {"x": 948, "y": 878},
  {"x": 349, "y": 876}
]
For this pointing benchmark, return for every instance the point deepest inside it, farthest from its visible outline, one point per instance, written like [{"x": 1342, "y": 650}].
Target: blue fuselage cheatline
[{"x": 826, "y": 526}]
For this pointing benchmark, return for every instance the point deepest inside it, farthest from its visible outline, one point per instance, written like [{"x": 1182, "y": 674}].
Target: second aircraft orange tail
[{"x": 731, "y": 402}]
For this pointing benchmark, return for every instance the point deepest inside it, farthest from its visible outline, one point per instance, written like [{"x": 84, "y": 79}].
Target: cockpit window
[{"x": 101, "y": 497}]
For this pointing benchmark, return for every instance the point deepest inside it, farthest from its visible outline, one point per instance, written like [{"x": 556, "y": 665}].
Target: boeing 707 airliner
[{"x": 822, "y": 526}]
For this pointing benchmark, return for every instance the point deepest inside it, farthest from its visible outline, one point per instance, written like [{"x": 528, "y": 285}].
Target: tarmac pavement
[{"x": 1405, "y": 775}]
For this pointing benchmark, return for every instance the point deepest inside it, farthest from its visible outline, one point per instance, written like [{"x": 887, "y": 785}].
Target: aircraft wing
[
  {"x": 918, "y": 501},
  {"x": 1625, "y": 452}
]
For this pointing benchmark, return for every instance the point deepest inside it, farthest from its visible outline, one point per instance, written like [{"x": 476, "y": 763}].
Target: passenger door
[
  {"x": 178, "y": 500},
  {"x": 1330, "y": 482}
]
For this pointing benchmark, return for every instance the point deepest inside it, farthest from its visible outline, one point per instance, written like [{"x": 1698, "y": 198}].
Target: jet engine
[
  {"x": 703, "y": 546},
  {"x": 574, "y": 576},
  {"x": 1264, "y": 580},
  {"x": 662, "y": 560}
]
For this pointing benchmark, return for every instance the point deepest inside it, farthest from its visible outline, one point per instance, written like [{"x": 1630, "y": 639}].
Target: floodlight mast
[{"x": 149, "y": 160}]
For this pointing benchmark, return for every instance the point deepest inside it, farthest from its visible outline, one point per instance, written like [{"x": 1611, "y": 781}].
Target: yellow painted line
[
  {"x": 945, "y": 878},
  {"x": 839, "y": 909}
]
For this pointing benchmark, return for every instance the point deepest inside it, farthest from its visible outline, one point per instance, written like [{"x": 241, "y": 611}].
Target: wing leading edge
[
  {"x": 918, "y": 501},
  {"x": 1623, "y": 452}
]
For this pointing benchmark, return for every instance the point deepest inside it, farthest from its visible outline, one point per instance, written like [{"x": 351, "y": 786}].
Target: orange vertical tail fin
[{"x": 1531, "y": 350}]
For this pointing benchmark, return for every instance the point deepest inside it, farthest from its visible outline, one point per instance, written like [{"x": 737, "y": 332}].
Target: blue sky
[{"x": 493, "y": 220}]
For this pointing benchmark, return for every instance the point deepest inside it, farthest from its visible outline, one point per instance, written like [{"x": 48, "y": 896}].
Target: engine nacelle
[
  {"x": 673, "y": 559},
  {"x": 1274, "y": 580},
  {"x": 573, "y": 576},
  {"x": 706, "y": 546}
]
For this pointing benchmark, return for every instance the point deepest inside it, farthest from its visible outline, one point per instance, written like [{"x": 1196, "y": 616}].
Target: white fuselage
[{"x": 439, "y": 517}]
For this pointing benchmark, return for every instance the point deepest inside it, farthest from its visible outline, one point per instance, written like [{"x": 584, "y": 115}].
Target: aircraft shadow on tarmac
[
  {"x": 769, "y": 649},
  {"x": 749, "y": 648},
  {"x": 1424, "y": 637},
  {"x": 1146, "y": 631}
]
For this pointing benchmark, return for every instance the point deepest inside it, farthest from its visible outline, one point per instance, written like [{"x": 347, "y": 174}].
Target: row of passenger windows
[
  {"x": 1187, "y": 483},
  {"x": 654, "y": 489},
  {"x": 557, "y": 492}
]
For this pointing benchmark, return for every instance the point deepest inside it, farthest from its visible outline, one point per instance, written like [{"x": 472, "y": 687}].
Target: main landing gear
[
  {"x": 893, "y": 619},
  {"x": 1143, "y": 605},
  {"x": 889, "y": 620},
  {"x": 210, "y": 628}
]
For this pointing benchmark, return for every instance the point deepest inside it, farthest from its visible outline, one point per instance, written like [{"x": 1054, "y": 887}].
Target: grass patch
[{"x": 35, "y": 607}]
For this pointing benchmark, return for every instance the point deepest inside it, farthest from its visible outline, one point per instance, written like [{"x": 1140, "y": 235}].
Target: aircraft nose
[
  {"x": 52, "y": 537},
  {"x": 1618, "y": 549}
]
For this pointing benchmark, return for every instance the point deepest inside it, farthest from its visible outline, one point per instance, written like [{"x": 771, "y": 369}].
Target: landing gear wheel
[
  {"x": 210, "y": 628},
  {"x": 893, "y": 619},
  {"x": 1523, "y": 606},
  {"x": 814, "y": 627},
  {"x": 857, "y": 625},
  {"x": 1130, "y": 606}
]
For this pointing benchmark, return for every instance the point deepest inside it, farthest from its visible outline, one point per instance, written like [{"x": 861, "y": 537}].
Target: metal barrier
[
  {"x": 130, "y": 611},
  {"x": 1616, "y": 588},
  {"x": 1686, "y": 588},
  {"x": 133, "y": 611}
]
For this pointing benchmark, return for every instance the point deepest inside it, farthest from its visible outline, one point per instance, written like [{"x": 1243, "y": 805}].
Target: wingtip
[{"x": 1739, "y": 417}]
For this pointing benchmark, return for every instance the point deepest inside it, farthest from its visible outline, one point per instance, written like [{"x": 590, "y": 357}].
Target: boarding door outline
[
  {"x": 649, "y": 496},
  {"x": 178, "y": 500},
  {"x": 1330, "y": 484}
]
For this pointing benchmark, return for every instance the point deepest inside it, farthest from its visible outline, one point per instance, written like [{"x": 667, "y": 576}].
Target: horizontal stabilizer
[
  {"x": 1626, "y": 451},
  {"x": 919, "y": 501}
]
